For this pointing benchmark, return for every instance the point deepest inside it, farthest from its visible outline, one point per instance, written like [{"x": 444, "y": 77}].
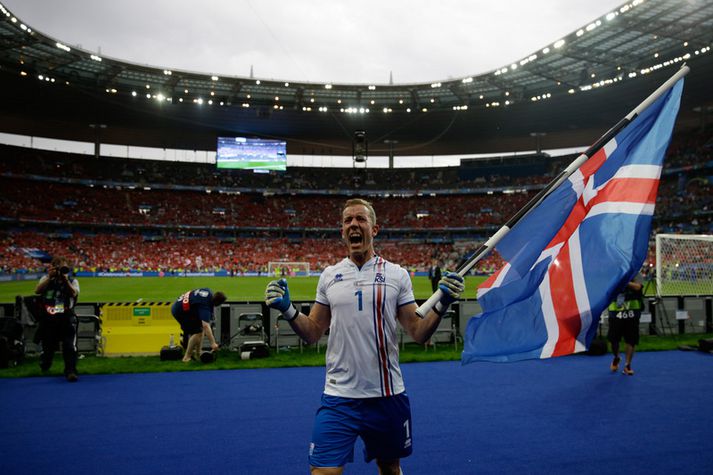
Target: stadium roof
[{"x": 616, "y": 59}]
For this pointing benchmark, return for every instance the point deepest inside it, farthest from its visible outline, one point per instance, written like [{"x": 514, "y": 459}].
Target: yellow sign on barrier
[{"x": 130, "y": 328}]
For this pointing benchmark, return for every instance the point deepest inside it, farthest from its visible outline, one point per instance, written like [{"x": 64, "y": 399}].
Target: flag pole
[{"x": 488, "y": 246}]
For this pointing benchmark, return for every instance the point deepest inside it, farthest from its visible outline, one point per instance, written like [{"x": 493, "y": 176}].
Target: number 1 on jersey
[{"x": 358, "y": 294}]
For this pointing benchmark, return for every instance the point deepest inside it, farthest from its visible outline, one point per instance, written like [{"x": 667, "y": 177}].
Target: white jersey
[{"x": 363, "y": 348}]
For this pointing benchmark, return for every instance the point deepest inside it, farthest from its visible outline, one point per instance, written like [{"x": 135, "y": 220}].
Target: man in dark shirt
[
  {"x": 434, "y": 274},
  {"x": 194, "y": 312},
  {"x": 624, "y": 315},
  {"x": 58, "y": 291}
]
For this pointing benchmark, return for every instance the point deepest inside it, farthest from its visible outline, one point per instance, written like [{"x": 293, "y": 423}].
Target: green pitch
[{"x": 162, "y": 289}]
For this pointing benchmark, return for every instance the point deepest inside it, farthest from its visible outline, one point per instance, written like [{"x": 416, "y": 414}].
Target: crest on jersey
[
  {"x": 338, "y": 278},
  {"x": 379, "y": 278}
]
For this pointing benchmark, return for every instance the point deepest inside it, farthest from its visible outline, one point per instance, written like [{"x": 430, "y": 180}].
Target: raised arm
[{"x": 309, "y": 327}]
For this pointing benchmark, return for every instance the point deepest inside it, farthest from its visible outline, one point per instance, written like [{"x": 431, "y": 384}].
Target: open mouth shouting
[
  {"x": 358, "y": 233},
  {"x": 355, "y": 238}
]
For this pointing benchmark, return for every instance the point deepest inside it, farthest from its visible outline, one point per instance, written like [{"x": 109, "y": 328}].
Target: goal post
[
  {"x": 288, "y": 269},
  {"x": 684, "y": 264}
]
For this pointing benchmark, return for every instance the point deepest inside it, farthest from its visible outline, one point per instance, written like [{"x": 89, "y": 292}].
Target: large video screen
[{"x": 251, "y": 154}]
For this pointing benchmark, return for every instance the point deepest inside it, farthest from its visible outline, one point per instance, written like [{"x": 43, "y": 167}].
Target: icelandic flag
[
  {"x": 569, "y": 255},
  {"x": 34, "y": 253}
]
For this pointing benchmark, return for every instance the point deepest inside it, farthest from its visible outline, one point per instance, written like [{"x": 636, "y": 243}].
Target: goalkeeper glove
[
  {"x": 277, "y": 296},
  {"x": 451, "y": 285}
]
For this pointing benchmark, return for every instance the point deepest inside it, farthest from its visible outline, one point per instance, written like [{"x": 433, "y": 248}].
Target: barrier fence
[{"x": 131, "y": 328}]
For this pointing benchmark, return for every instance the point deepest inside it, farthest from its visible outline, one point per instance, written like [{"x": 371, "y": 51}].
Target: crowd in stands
[
  {"x": 136, "y": 199},
  {"x": 683, "y": 202},
  {"x": 54, "y": 202},
  {"x": 104, "y": 252},
  {"x": 688, "y": 149}
]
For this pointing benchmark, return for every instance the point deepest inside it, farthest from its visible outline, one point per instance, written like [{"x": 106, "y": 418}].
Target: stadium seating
[
  {"x": 122, "y": 215},
  {"x": 132, "y": 252}
]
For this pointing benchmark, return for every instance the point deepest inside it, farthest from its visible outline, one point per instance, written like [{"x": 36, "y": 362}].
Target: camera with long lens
[{"x": 62, "y": 271}]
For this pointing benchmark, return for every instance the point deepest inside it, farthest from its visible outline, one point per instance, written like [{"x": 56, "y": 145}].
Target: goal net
[
  {"x": 684, "y": 264},
  {"x": 288, "y": 269}
]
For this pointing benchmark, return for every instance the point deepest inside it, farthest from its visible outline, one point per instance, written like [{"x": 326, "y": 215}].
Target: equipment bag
[
  {"x": 171, "y": 353},
  {"x": 256, "y": 349},
  {"x": 12, "y": 342},
  {"x": 706, "y": 345}
]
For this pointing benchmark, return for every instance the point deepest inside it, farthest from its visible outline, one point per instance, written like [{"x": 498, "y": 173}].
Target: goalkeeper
[{"x": 360, "y": 300}]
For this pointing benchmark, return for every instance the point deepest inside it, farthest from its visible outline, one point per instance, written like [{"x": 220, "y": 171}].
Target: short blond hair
[{"x": 359, "y": 201}]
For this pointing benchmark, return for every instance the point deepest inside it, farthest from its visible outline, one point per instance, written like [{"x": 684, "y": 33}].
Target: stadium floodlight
[
  {"x": 490, "y": 244},
  {"x": 558, "y": 44}
]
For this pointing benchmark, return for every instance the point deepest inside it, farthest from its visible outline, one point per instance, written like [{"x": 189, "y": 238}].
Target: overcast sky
[{"x": 314, "y": 40}]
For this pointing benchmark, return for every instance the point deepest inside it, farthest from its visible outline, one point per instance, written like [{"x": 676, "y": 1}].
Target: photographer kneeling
[{"x": 58, "y": 291}]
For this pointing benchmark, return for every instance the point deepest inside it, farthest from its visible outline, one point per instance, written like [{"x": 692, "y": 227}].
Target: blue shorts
[{"x": 383, "y": 423}]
